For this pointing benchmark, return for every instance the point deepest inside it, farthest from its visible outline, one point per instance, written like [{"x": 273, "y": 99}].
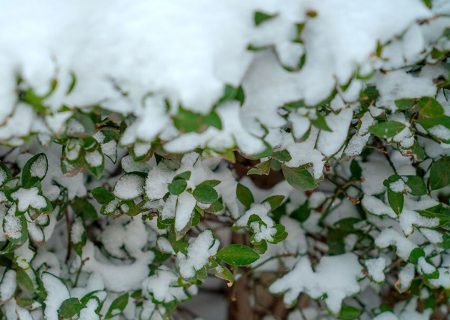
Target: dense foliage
[{"x": 301, "y": 147}]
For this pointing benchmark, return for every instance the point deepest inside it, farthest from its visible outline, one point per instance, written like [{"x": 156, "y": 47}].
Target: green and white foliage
[{"x": 136, "y": 137}]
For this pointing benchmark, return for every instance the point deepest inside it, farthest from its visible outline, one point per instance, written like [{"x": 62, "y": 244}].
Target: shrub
[{"x": 295, "y": 149}]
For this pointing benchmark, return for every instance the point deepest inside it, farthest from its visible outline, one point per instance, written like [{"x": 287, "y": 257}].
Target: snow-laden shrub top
[{"x": 137, "y": 136}]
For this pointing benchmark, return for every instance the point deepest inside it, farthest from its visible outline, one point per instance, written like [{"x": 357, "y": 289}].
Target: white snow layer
[
  {"x": 337, "y": 276},
  {"x": 198, "y": 254},
  {"x": 130, "y": 57}
]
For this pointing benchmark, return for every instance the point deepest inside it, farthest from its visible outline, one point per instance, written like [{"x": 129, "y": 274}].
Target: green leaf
[
  {"x": 415, "y": 254},
  {"x": 117, "y": 306},
  {"x": 429, "y": 123},
  {"x": 418, "y": 151},
  {"x": 280, "y": 235},
  {"x": 320, "y": 122},
  {"x": 405, "y": 104},
  {"x": 213, "y": 120},
  {"x": 429, "y": 108},
  {"x": 70, "y": 308},
  {"x": 224, "y": 273},
  {"x": 355, "y": 169},
  {"x": 428, "y": 3},
  {"x": 72, "y": 84},
  {"x": 84, "y": 209},
  {"x": 282, "y": 156},
  {"x": 184, "y": 175},
  {"x": 301, "y": 214},
  {"x": 5, "y": 173},
  {"x": 395, "y": 201},
  {"x": 216, "y": 206},
  {"x": 386, "y": 129},
  {"x": 237, "y": 255},
  {"x": 244, "y": 195},
  {"x": 233, "y": 93},
  {"x": 349, "y": 313},
  {"x": 34, "y": 170},
  {"x": 439, "y": 173},
  {"x": 24, "y": 302},
  {"x": 368, "y": 96},
  {"x": 177, "y": 186},
  {"x": 299, "y": 178},
  {"x": 205, "y": 193},
  {"x": 260, "y": 17},
  {"x": 188, "y": 121},
  {"x": 262, "y": 168},
  {"x": 274, "y": 201},
  {"x": 102, "y": 195},
  {"x": 24, "y": 281},
  {"x": 211, "y": 183},
  {"x": 87, "y": 123},
  {"x": 416, "y": 184}
]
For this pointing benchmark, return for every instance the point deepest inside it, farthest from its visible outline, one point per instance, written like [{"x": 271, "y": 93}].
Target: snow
[
  {"x": 94, "y": 158},
  {"x": 440, "y": 132},
  {"x": 432, "y": 235},
  {"x": 408, "y": 310},
  {"x": 375, "y": 172},
  {"x": 334, "y": 275},
  {"x": 406, "y": 275},
  {"x": 424, "y": 266},
  {"x": 389, "y": 237},
  {"x": 169, "y": 207},
  {"x": 156, "y": 184},
  {"x": 154, "y": 109},
  {"x": 117, "y": 277},
  {"x": 330, "y": 142},
  {"x": 300, "y": 124},
  {"x": 137, "y": 64},
  {"x": 129, "y": 186},
  {"x": 397, "y": 186},
  {"x": 375, "y": 268},
  {"x": 198, "y": 254},
  {"x": 8, "y": 285},
  {"x": 88, "y": 313},
  {"x": 185, "y": 207},
  {"x": 103, "y": 56},
  {"x": 294, "y": 243},
  {"x": 443, "y": 280},
  {"x": 306, "y": 153},
  {"x": 409, "y": 218},
  {"x": 77, "y": 231},
  {"x": 12, "y": 226},
  {"x": 233, "y": 132},
  {"x": 165, "y": 246},
  {"x": 262, "y": 231},
  {"x": 3, "y": 176},
  {"x": 140, "y": 149},
  {"x": 27, "y": 198},
  {"x": 356, "y": 144},
  {"x": 124, "y": 236},
  {"x": 316, "y": 199},
  {"x": 38, "y": 168},
  {"x": 341, "y": 36},
  {"x": 377, "y": 207},
  {"x": 398, "y": 85},
  {"x": 386, "y": 316},
  {"x": 163, "y": 286},
  {"x": 57, "y": 292}
]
